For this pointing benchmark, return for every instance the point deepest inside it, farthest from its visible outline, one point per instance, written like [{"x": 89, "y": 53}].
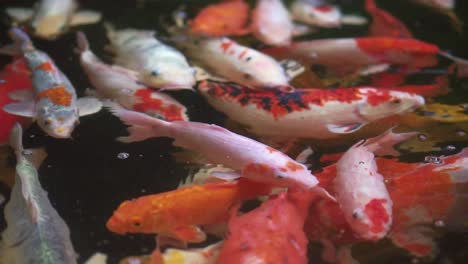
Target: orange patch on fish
[
  {"x": 293, "y": 166},
  {"x": 46, "y": 66},
  {"x": 58, "y": 95},
  {"x": 377, "y": 214},
  {"x": 225, "y": 45}
]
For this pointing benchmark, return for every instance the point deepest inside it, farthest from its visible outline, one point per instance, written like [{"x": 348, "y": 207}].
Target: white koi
[
  {"x": 316, "y": 13},
  {"x": 271, "y": 22},
  {"x": 122, "y": 86},
  {"x": 50, "y": 18},
  {"x": 157, "y": 64},
  {"x": 306, "y": 113},
  {"x": 248, "y": 157},
  {"x": 53, "y": 101}
]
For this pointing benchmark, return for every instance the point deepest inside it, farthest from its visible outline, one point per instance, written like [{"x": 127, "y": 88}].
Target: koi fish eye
[
  {"x": 248, "y": 59},
  {"x": 155, "y": 72},
  {"x": 357, "y": 214}
]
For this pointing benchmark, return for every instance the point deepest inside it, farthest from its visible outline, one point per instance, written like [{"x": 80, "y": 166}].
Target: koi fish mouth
[{"x": 114, "y": 224}]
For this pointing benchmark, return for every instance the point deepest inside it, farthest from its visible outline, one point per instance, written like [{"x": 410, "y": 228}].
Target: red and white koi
[
  {"x": 360, "y": 188},
  {"x": 316, "y": 13},
  {"x": 235, "y": 62},
  {"x": 157, "y": 64},
  {"x": 271, "y": 23},
  {"x": 384, "y": 23},
  {"x": 53, "y": 101},
  {"x": 121, "y": 85},
  {"x": 250, "y": 158},
  {"x": 50, "y": 18},
  {"x": 352, "y": 53},
  {"x": 306, "y": 113}
]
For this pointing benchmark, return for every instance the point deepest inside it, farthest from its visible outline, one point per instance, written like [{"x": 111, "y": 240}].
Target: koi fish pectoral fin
[
  {"x": 85, "y": 17},
  {"x": 19, "y": 15},
  {"x": 26, "y": 109},
  {"x": 88, "y": 105},
  {"x": 191, "y": 234},
  {"x": 22, "y": 95},
  {"x": 201, "y": 75},
  {"x": 292, "y": 68},
  {"x": 226, "y": 175},
  {"x": 345, "y": 129}
]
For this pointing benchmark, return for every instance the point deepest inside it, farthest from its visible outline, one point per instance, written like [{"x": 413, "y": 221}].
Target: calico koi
[
  {"x": 122, "y": 86},
  {"x": 53, "y": 101},
  {"x": 50, "y": 18},
  {"x": 306, "y": 113},
  {"x": 157, "y": 64},
  {"x": 180, "y": 213},
  {"x": 271, "y": 23}
]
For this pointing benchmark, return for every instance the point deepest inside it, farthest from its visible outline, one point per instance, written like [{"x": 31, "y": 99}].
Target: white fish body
[
  {"x": 122, "y": 86},
  {"x": 35, "y": 232},
  {"x": 157, "y": 64},
  {"x": 221, "y": 146},
  {"x": 235, "y": 62},
  {"x": 52, "y": 17},
  {"x": 271, "y": 22},
  {"x": 53, "y": 102},
  {"x": 316, "y": 13}
]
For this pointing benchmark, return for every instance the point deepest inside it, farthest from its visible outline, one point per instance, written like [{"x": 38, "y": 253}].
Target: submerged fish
[
  {"x": 306, "y": 113},
  {"x": 122, "y": 86},
  {"x": 222, "y": 19},
  {"x": 385, "y": 24},
  {"x": 157, "y": 64},
  {"x": 35, "y": 232},
  {"x": 250, "y": 158},
  {"x": 316, "y": 13},
  {"x": 50, "y": 18},
  {"x": 271, "y": 233},
  {"x": 53, "y": 101},
  {"x": 271, "y": 22},
  {"x": 180, "y": 213}
]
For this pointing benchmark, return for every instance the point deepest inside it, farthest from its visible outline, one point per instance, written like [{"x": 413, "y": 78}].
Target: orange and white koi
[
  {"x": 348, "y": 54},
  {"x": 180, "y": 213},
  {"x": 235, "y": 62},
  {"x": 122, "y": 86},
  {"x": 157, "y": 64},
  {"x": 53, "y": 101},
  {"x": 385, "y": 24},
  {"x": 271, "y": 233},
  {"x": 222, "y": 19},
  {"x": 306, "y": 113},
  {"x": 250, "y": 158},
  {"x": 271, "y": 23},
  {"x": 50, "y": 18},
  {"x": 316, "y": 13}
]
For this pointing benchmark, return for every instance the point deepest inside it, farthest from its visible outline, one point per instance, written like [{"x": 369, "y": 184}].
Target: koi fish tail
[
  {"x": 21, "y": 43},
  {"x": 141, "y": 125},
  {"x": 16, "y": 138},
  {"x": 82, "y": 42}
]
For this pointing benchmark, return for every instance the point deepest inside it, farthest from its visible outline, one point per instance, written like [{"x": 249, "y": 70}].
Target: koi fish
[
  {"x": 222, "y": 19},
  {"x": 157, "y": 64},
  {"x": 446, "y": 4},
  {"x": 270, "y": 233},
  {"x": 360, "y": 188},
  {"x": 251, "y": 158},
  {"x": 316, "y": 13},
  {"x": 122, "y": 86},
  {"x": 423, "y": 195},
  {"x": 306, "y": 113},
  {"x": 50, "y": 18},
  {"x": 53, "y": 101},
  {"x": 179, "y": 213},
  {"x": 235, "y": 62},
  {"x": 35, "y": 232},
  {"x": 348, "y": 54},
  {"x": 271, "y": 23},
  {"x": 14, "y": 76},
  {"x": 385, "y": 24}
]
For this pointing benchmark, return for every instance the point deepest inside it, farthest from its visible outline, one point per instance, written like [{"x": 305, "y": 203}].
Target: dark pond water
[{"x": 86, "y": 179}]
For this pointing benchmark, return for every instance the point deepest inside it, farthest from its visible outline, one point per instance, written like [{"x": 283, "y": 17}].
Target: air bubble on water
[
  {"x": 143, "y": 190},
  {"x": 432, "y": 159},
  {"x": 461, "y": 133},
  {"x": 450, "y": 148},
  {"x": 439, "y": 223},
  {"x": 123, "y": 155},
  {"x": 140, "y": 155},
  {"x": 422, "y": 137},
  {"x": 415, "y": 260},
  {"x": 387, "y": 181},
  {"x": 32, "y": 136}
]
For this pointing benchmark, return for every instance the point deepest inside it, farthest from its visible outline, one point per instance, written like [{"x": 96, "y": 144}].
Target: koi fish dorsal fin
[{"x": 19, "y": 14}]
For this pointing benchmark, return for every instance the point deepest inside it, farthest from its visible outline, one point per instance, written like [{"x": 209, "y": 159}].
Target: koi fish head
[
  {"x": 60, "y": 124},
  {"x": 131, "y": 217},
  {"x": 383, "y": 103},
  {"x": 262, "y": 71},
  {"x": 373, "y": 220},
  {"x": 175, "y": 75},
  {"x": 293, "y": 174}
]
